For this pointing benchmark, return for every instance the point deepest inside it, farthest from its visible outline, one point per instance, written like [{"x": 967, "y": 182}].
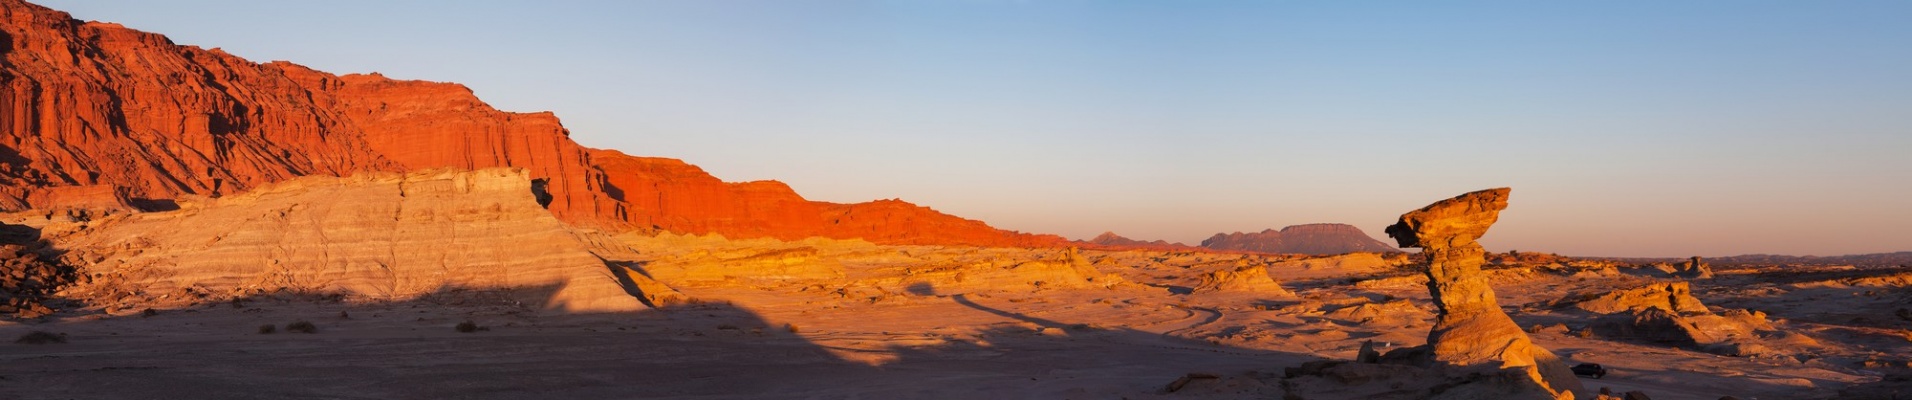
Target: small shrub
[
  {"x": 302, "y": 327},
  {"x": 790, "y": 327},
  {"x": 267, "y": 329},
  {"x": 41, "y": 337},
  {"x": 148, "y": 313},
  {"x": 467, "y": 327}
]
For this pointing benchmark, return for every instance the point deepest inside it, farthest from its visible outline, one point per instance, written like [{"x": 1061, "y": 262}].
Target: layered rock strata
[
  {"x": 376, "y": 236},
  {"x": 98, "y": 115}
]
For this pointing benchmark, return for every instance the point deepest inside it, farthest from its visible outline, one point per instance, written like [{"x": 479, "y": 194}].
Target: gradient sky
[{"x": 1644, "y": 128}]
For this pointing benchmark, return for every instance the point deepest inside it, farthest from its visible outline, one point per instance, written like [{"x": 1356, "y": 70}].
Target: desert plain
[{"x": 685, "y": 316}]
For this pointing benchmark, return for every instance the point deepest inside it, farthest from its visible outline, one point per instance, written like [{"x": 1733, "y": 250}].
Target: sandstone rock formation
[
  {"x": 1243, "y": 276},
  {"x": 96, "y": 114},
  {"x": 1667, "y": 313},
  {"x": 1319, "y": 239},
  {"x": 1471, "y": 330},
  {"x": 1676, "y": 297},
  {"x": 1693, "y": 269},
  {"x": 377, "y": 236}
]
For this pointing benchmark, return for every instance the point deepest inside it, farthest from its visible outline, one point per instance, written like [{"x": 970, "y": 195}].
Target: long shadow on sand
[
  {"x": 710, "y": 350},
  {"x": 213, "y": 349}
]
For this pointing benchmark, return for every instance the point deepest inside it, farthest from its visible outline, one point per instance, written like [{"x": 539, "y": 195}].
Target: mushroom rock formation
[{"x": 1470, "y": 329}]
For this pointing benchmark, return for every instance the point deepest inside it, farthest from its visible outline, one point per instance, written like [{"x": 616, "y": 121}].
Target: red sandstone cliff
[
  {"x": 671, "y": 195},
  {"x": 95, "y": 113}
]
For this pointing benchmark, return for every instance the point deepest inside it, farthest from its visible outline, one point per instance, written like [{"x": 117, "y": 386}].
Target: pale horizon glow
[{"x": 1660, "y": 129}]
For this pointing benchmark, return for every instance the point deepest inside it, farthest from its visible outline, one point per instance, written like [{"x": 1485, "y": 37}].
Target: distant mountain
[
  {"x": 1112, "y": 240},
  {"x": 1898, "y": 258},
  {"x": 1300, "y": 239}
]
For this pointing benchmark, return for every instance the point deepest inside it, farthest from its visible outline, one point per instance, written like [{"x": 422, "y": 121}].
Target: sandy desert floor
[{"x": 828, "y": 319}]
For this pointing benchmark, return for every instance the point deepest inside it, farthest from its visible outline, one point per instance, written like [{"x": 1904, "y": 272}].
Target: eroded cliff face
[
  {"x": 97, "y": 104},
  {"x": 105, "y": 116},
  {"x": 382, "y": 236}
]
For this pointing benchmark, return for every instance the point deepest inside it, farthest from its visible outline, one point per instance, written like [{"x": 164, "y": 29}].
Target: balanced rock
[{"x": 1471, "y": 330}]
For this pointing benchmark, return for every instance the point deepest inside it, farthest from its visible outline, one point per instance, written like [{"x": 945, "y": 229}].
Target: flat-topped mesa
[
  {"x": 1471, "y": 330},
  {"x": 1315, "y": 239}
]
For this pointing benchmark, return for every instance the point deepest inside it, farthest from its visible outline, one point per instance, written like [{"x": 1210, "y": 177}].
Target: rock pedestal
[{"x": 1471, "y": 330}]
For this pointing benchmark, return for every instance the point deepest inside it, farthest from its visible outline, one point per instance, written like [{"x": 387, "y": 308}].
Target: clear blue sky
[{"x": 1644, "y": 128}]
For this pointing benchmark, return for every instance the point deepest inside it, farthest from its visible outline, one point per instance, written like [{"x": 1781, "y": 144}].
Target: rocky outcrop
[
  {"x": 378, "y": 236},
  {"x": 1317, "y": 239},
  {"x": 1667, "y": 313},
  {"x": 1732, "y": 333},
  {"x": 1676, "y": 297},
  {"x": 96, "y": 114},
  {"x": 1244, "y": 276},
  {"x": 1470, "y": 329},
  {"x": 1692, "y": 269}
]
